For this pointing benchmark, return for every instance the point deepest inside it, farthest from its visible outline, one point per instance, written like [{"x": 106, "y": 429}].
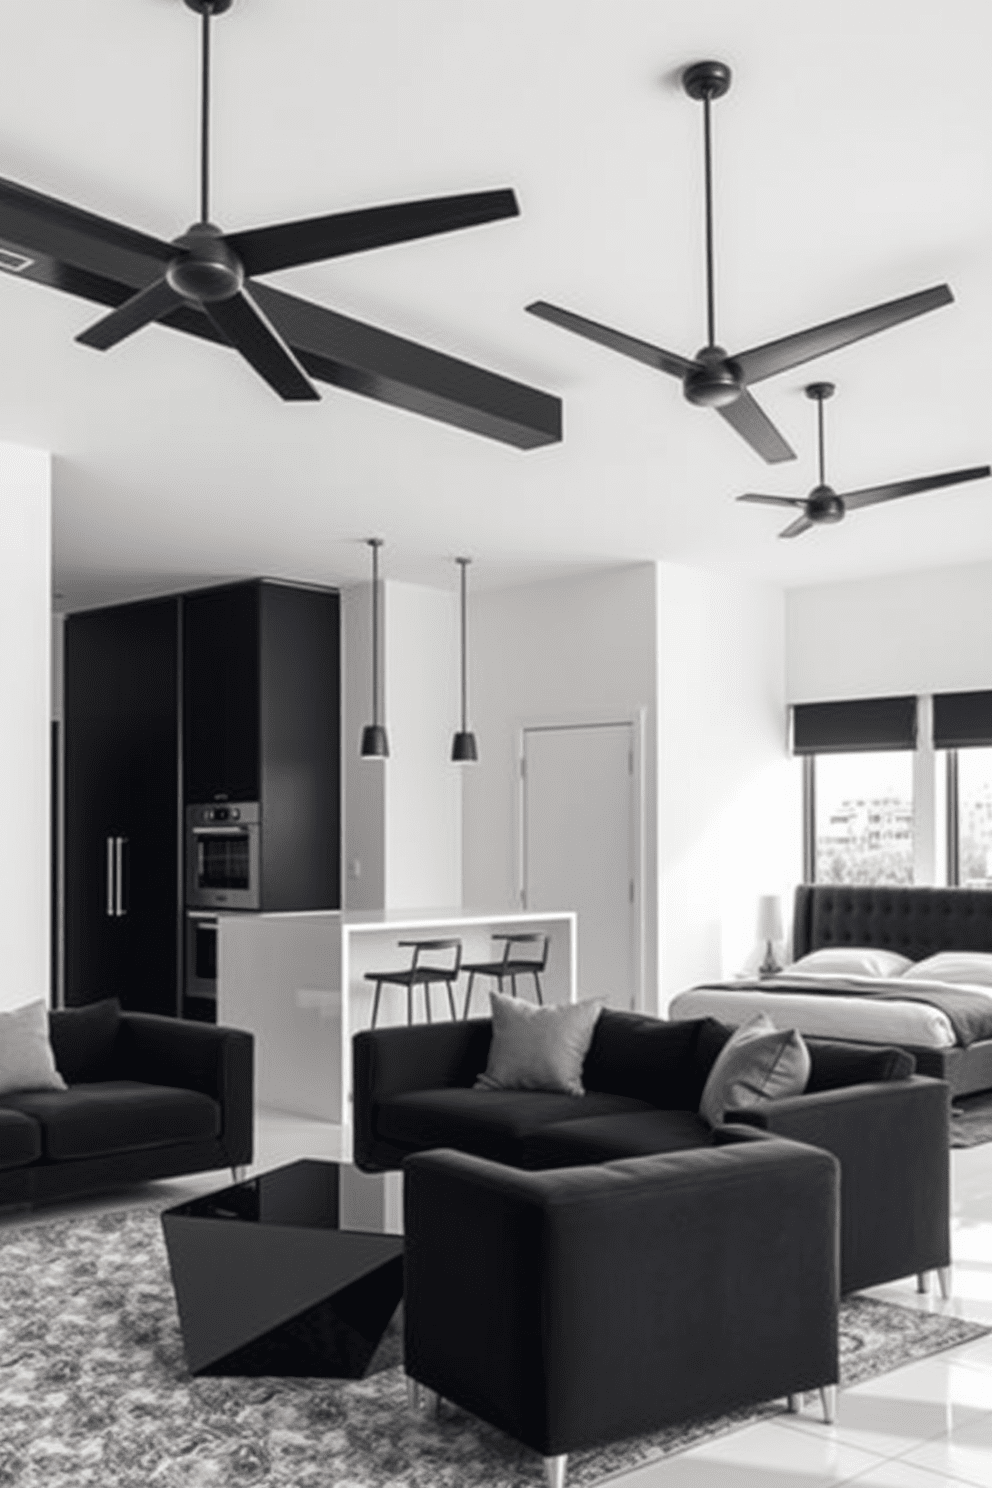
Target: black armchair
[{"x": 576, "y": 1307}]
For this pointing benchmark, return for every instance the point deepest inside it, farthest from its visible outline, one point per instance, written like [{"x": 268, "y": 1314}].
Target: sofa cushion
[
  {"x": 83, "y": 1040},
  {"x": 758, "y": 1062},
  {"x": 597, "y": 1139},
  {"x": 538, "y": 1048},
  {"x": 651, "y": 1059},
  {"x": 26, "y": 1058},
  {"x": 835, "y": 1064},
  {"x": 117, "y": 1116},
  {"x": 20, "y": 1139},
  {"x": 490, "y": 1123}
]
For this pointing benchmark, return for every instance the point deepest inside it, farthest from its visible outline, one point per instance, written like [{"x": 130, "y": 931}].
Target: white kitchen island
[{"x": 297, "y": 982}]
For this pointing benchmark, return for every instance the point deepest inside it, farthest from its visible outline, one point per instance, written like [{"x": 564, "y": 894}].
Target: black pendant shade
[
  {"x": 375, "y": 743},
  {"x": 463, "y": 747}
]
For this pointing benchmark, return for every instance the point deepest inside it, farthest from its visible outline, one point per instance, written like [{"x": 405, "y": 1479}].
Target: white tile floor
[{"x": 928, "y": 1425}]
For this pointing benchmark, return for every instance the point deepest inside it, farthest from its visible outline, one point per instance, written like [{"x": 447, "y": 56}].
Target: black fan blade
[
  {"x": 772, "y": 500},
  {"x": 630, "y": 346},
  {"x": 389, "y": 368},
  {"x": 265, "y": 249},
  {"x": 249, "y": 332},
  {"x": 140, "y": 310},
  {"x": 794, "y": 529},
  {"x": 752, "y": 423},
  {"x": 43, "y": 225},
  {"x": 792, "y": 351},
  {"x": 869, "y": 495}
]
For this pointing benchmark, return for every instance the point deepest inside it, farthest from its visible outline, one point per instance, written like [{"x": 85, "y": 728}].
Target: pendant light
[
  {"x": 375, "y": 744},
  {"x": 463, "y": 746}
]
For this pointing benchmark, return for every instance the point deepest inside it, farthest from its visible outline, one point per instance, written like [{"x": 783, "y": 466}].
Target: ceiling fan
[
  {"x": 203, "y": 282},
  {"x": 823, "y": 504},
  {"x": 713, "y": 378}
]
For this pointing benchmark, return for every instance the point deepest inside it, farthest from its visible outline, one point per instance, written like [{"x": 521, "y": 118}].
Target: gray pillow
[
  {"x": 26, "y": 1058},
  {"x": 758, "y": 1062},
  {"x": 538, "y": 1048}
]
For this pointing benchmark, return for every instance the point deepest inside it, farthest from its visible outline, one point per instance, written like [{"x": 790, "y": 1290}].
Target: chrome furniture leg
[
  {"x": 795, "y": 1404},
  {"x": 923, "y": 1282},
  {"x": 432, "y": 1402},
  {"x": 554, "y": 1470},
  {"x": 828, "y": 1399},
  {"x": 944, "y": 1281}
]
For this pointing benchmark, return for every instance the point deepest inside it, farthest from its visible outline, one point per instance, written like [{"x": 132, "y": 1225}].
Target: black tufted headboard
[{"x": 915, "y": 922}]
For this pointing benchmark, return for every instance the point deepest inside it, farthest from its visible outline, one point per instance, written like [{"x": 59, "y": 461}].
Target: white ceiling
[{"x": 853, "y": 162}]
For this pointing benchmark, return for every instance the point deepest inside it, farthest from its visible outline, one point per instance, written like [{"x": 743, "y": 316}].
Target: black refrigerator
[{"x": 123, "y": 798}]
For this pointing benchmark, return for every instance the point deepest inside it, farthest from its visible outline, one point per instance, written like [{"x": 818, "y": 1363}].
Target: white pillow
[
  {"x": 26, "y": 1058},
  {"x": 853, "y": 961},
  {"x": 953, "y": 966},
  {"x": 758, "y": 1062}
]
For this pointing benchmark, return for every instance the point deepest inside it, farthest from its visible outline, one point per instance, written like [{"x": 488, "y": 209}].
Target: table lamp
[{"x": 770, "y": 931}]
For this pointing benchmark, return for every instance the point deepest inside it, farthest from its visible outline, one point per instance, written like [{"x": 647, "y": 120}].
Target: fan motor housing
[
  {"x": 715, "y": 380},
  {"x": 824, "y": 505},
  {"x": 206, "y": 269}
]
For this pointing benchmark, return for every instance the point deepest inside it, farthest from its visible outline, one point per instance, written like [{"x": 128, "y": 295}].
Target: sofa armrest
[
  {"x": 393, "y": 1061},
  {"x": 215, "y": 1061},
  {"x": 677, "y": 1282},
  {"x": 892, "y": 1142}
]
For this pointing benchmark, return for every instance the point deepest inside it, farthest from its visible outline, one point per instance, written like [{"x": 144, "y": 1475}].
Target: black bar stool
[
  {"x": 417, "y": 974},
  {"x": 510, "y": 966}
]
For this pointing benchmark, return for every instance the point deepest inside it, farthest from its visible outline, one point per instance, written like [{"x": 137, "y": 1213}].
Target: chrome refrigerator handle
[
  {"x": 110, "y": 876},
  {"x": 120, "y": 844}
]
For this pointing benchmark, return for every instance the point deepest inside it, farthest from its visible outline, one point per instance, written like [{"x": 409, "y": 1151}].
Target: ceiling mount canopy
[
  {"x": 714, "y": 378},
  {"x": 824, "y": 506},
  {"x": 204, "y": 283}
]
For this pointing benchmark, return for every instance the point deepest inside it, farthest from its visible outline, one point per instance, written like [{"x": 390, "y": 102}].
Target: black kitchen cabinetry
[
  {"x": 122, "y": 806},
  {"x": 261, "y": 710}
]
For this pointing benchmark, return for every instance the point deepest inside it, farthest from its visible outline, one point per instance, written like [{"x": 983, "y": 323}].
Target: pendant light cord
[
  {"x": 710, "y": 306},
  {"x": 205, "y": 113},
  {"x": 375, "y": 543},
  {"x": 464, "y": 563}
]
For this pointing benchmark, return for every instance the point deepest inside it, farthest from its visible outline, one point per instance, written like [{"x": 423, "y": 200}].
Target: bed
[{"x": 951, "y": 1040}]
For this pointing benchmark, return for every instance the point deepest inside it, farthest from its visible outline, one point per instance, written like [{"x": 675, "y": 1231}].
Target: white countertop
[{"x": 408, "y": 919}]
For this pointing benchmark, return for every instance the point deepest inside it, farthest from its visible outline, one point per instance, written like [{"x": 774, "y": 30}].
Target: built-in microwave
[{"x": 222, "y": 856}]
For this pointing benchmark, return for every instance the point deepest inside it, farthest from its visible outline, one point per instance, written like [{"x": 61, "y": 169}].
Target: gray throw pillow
[
  {"x": 26, "y": 1058},
  {"x": 758, "y": 1062},
  {"x": 538, "y": 1048}
]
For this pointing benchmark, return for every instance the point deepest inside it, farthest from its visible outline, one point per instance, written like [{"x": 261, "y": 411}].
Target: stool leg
[
  {"x": 499, "y": 981},
  {"x": 427, "y": 1000},
  {"x": 468, "y": 994},
  {"x": 537, "y": 986},
  {"x": 513, "y": 985},
  {"x": 375, "y": 1003},
  {"x": 409, "y": 1004},
  {"x": 451, "y": 1002}
]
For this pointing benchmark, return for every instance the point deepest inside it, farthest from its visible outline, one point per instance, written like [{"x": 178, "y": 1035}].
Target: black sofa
[
  {"x": 643, "y": 1078},
  {"x": 621, "y": 1297},
  {"x": 148, "y": 1097}
]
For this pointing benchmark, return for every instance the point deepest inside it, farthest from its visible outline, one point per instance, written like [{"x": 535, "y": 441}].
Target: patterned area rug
[
  {"x": 971, "y": 1120},
  {"x": 94, "y": 1388}
]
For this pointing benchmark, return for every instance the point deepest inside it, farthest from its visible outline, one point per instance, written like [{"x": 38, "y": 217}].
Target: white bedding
[{"x": 831, "y": 1016}]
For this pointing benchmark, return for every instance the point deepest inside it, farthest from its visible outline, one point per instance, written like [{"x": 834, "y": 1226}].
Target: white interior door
[{"x": 579, "y": 847}]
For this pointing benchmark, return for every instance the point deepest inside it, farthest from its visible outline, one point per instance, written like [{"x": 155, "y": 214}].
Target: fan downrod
[{"x": 701, "y": 80}]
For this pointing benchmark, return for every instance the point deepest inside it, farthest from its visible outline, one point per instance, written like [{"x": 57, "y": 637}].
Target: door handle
[
  {"x": 111, "y": 881},
  {"x": 119, "y": 907}
]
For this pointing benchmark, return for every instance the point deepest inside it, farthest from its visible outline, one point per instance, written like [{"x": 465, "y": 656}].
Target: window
[
  {"x": 859, "y": 811},
  {"x": 969, "y": 813}
]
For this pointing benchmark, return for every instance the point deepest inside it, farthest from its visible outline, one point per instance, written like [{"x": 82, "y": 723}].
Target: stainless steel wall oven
[{"x": 222, "y": 856}]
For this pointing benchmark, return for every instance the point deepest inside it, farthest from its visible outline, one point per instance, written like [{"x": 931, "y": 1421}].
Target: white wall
[
  {"x": 25, "y": 703},
  {"x": 403, "y": 821},
  {"x": 729, "y": 816},
  {"x": 568, "y": 651},
  {"x": 923, "y": 632}
]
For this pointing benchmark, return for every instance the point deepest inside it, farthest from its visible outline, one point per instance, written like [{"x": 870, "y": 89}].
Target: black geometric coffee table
[{"x": 269, "y": 1282}]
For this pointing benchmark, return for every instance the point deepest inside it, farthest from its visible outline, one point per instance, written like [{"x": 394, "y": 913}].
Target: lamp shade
[{"x": 770, "y": 917}]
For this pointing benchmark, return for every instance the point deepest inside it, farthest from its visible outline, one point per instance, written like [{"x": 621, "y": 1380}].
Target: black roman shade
[
  {"x": 962, "y": 719},
  {"x": 853, "y": 725}
]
